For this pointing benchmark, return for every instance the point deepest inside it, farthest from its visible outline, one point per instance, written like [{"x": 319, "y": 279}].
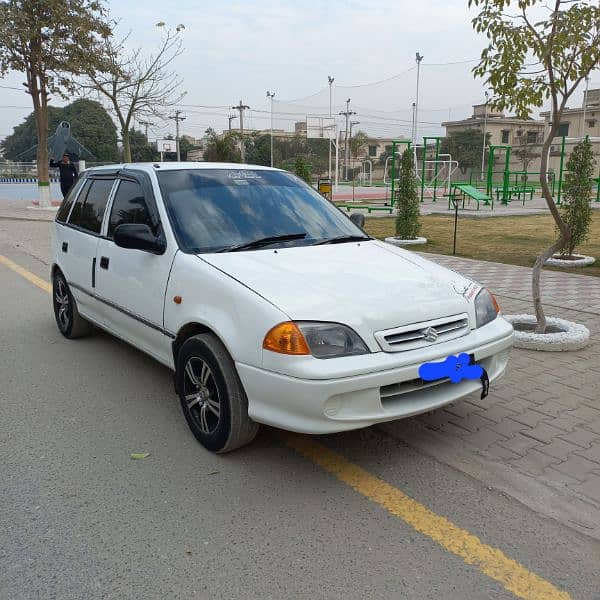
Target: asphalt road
[{"x": 80, "y": 519}]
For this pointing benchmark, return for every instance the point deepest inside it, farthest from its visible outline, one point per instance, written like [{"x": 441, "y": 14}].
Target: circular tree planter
[
  {"x": 560, "y": 336},
  {"x": 400, "y": 242},
  {"x": 576, "y": 260}
]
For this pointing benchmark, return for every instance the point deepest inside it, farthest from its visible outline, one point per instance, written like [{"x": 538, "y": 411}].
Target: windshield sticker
[
  {"x": 241, "y": 175},
  {"x": 241, "y": 182}
]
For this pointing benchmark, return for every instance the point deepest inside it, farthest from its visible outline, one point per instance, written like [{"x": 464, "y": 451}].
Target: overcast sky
[{"x": 239, "y": 49}]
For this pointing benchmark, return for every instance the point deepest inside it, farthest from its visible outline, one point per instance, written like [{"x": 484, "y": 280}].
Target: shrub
[
  {"x": 577, "y": 195},
  {"x": 408, "y": 223}
]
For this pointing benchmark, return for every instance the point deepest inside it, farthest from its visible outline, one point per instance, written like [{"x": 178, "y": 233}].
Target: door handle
[
  {"x": 65, "y": 246},
  {"x": 104, "y": 262}
]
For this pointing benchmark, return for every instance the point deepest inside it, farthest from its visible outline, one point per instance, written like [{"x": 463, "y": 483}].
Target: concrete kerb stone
[
  {"x": 396, "y": 241},
  {"x": 571, "y": 336},
  {"x": 580, "y": 261}
]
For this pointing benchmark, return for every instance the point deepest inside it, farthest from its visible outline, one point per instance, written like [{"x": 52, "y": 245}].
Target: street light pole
[
  {"x": 484, "y": 134},
  {"x": 412, "y": 128},
  {"x": 585, "y": 99},
  {"x": 419, "y": 58},
  {"x": 330, "y": 79},
  {"x": 271, "y": 95}
]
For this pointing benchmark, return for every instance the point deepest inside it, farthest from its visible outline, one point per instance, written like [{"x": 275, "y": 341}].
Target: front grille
[
  {"x": 420, "y": 335},
  {"x": 390, "y": 393}
]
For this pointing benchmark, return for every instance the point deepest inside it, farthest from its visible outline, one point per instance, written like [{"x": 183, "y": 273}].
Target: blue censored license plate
[{"x": 455, "y": 368}]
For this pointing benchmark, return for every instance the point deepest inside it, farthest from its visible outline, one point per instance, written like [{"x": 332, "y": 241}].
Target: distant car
[{"x": 270, "y": 304}]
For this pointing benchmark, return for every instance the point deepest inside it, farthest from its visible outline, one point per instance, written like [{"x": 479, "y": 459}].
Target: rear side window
[
  {"x": 129, "y": 206},
  {"x": 88, "y": 214},
  {"x": 65, "y": 207}
]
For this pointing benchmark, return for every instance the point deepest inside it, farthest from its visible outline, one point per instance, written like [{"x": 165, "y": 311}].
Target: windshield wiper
[
  {"x": 340, "y": 239},
  {"x": 265, "y": 241}
]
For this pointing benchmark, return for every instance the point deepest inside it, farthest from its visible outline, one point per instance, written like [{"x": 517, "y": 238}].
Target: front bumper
[{"x": 356, "y": 400}]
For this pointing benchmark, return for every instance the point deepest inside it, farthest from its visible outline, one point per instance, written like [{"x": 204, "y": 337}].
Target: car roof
[{"x": 175, "y": 166}]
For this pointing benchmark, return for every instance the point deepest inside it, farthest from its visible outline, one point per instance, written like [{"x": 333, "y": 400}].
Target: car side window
[
  {"x": 76, "y": 212},
  {"x": 65, "y": 207},
  {"x": 89, "y": 213},
  {"x": 129, "y": 206}
]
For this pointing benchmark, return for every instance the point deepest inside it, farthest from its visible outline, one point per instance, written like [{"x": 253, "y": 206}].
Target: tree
[
  {"x": 24, "y": 136},
  {"x": 302, "y": 168},
  {"x": 93, "y": 127},
  {"x": 575, "y": 209},
  {"x": 222, "y": 148},
  {"x": 90, "y": 124},
  {"x": 466, "y": 147},
  {"x": 258, "y": 149},
  {"x": 408, "y": 224},
  {"x": 141, "y": 150},
  {"x": 138, "y": 87},
  {"x": 526, "y": 151},
  {"x": 538, "y": 52},
  {"x": 357, "y": 142},
  {"x": 49, "y": 41}
]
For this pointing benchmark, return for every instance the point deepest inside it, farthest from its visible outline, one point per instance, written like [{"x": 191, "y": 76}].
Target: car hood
[{"x": 369, "y": 286}]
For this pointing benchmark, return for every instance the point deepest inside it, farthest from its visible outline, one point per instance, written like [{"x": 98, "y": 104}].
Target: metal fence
[{"x": 26, "y": 172}]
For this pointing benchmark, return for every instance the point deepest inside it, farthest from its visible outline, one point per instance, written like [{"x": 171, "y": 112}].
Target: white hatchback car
[{"x": 270, "y": 304}]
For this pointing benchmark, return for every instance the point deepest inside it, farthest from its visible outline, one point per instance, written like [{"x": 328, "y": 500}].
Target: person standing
[{"x": 68, "y": 173}]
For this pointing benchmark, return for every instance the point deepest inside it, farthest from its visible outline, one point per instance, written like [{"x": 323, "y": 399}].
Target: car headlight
[
  {"x": 322, "y": 340},
  {"x": 486, "y": 308}
]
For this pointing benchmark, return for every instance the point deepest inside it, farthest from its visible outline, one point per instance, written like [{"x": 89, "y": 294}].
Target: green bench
[
  {"x": 519, "y": 191},
  {"x": 349, "y": 207},
  {"x": 464, "y": 191}
]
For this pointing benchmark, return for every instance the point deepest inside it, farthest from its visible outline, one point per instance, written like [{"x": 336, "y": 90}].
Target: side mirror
[
  {"x": 138, "y": 237},
  {"x": 358, "y": 219}
]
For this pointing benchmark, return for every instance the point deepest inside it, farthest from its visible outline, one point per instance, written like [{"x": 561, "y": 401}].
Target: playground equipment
[
  {"x": 524, "y": 183},
  {"x": 463, "y": 191},
  {"x": 363, "y": 172},
  {"x": 440, "y": 164}
]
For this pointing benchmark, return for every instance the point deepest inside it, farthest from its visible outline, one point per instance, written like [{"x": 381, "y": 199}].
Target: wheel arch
[{"x": 189, "y": 330}]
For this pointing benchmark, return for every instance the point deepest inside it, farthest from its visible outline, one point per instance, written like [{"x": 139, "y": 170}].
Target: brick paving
[{"x": 543, "y": 417}]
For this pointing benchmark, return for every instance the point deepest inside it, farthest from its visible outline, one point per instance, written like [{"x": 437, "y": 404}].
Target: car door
[
  {"x": 132, "y": 283},
  {"x": 77, "y": 242}
]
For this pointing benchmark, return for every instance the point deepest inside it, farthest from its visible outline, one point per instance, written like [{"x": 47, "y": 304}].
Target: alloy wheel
[{"x": 202, "y": 395}]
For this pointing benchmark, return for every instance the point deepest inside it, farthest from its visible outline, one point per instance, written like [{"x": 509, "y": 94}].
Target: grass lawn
[{"x": 511, "y": 240}]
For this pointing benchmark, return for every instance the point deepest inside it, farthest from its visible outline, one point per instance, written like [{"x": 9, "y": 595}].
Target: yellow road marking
[
  {"x": 41, "y": 283},
  {"x": 491, "y": 561}
]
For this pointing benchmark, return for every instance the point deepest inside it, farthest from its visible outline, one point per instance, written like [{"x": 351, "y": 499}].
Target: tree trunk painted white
[{"x": 45, "y": 198}]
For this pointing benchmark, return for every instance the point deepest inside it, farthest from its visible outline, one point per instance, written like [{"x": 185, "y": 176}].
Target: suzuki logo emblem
[{"x": 430, "y": 334}]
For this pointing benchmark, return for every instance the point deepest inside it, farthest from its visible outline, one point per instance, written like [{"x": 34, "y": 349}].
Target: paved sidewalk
[{"x": 542, "y": 420}]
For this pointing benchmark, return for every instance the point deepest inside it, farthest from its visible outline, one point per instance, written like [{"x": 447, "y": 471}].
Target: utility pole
[
  {"x": 271, "y": 95},
  {"x": 347, "y": 113},
  {"x": 241, "y": 107},
  {"x": 419, "y": 58},
  {"x": 330, "y": 79},
  {"x": 412, "y": 127},
  {"x": 146, "y": 124},
  {"x": 176, "y": 117},
  {"x": 231, "y": 118}
]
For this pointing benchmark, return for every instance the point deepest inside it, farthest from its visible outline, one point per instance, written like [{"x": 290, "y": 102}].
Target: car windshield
[{"x": 216, "y": 210}]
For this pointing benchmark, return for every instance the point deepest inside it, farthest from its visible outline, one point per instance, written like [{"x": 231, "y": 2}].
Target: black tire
[
  {"x": 206, "y": 376},
  {"x": 70, "y": 323}
]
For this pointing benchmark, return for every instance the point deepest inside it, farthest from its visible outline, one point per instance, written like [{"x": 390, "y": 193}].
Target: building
[
  {"x": 501, "y": 129},
  {"x": 581, "y": 121}
]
